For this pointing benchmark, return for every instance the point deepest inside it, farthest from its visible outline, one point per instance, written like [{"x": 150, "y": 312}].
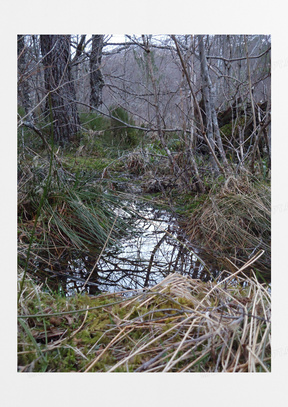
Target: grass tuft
[
  {"x": 179, "y": 325},
  {"x": 236, "y": 222}
]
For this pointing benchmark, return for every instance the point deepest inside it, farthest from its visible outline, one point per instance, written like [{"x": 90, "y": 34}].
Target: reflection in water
[{"x": 154, "y": 250}]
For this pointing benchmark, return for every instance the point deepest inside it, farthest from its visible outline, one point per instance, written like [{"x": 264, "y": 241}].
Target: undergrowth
[
  {"x": 68, "y": 201},
  {"x": 233, "y": 223},
  {"x": 179, "y": 325}
]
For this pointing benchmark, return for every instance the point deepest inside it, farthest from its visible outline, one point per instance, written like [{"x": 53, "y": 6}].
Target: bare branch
[{"x": 240, "y": 58}]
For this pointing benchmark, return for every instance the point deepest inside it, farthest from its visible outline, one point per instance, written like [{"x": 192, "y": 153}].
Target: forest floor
[{"x": 181, "y": 323}]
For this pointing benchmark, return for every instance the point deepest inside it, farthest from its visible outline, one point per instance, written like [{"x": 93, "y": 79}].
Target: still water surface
[{"x": 155, "y": 249}]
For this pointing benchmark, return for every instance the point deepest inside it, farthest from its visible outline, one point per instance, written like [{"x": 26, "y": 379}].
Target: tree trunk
[
  {"x": 205, "y": 91},
  {"x": 24, "y": 97},
  {"x": 59, "y": 87},
  {"x": 211, "y": 116},
  {"x": 211, "y": 148},
  {"x": 96, "y": 79}
]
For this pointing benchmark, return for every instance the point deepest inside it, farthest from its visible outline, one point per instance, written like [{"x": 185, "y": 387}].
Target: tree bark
[
  {"x": 24, "y": 97},
  {"x": 55, "y": 51},
  {"x": 212, "y": 126},
  {"x": 96, "y": 79},
  {"x": 205, "y": 91}
]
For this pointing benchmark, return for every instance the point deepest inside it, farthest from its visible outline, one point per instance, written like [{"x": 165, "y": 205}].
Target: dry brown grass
[
  {"x": 179, "y": 325},
  {"x": 235, "y": 223},
  {"x": 211, "y": 328}
]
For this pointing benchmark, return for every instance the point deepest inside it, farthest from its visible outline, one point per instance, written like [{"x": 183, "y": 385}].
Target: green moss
[
  {"x": 120, "y": 134},
  {"x": 93, "y": 121},
  {"x": 176, "y": 145},
  {"x": 188, "y": 203},
  {"x": 184, "y": 301},
  {"x": 228, "y": 129},
  {"x": 79, "y": 349}
]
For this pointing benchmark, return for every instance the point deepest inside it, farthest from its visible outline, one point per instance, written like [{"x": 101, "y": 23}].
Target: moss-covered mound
[{"x": 180, "y": 325}]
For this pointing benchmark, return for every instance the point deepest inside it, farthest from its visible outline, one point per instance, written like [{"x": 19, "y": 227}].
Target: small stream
[{"x": 155, "y": 249}]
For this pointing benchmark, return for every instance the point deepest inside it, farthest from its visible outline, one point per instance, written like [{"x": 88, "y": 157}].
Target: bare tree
[
  {"x": 174, "y": 164},
  {"x": 212, "y": 127},
  {"x": 214, "y": 159},
  {"x": 59, "y": 86},
  {"x": 24, "y": 90},
  {"x": 96, "y": 79},
  {"x": 159, "y": 84}
]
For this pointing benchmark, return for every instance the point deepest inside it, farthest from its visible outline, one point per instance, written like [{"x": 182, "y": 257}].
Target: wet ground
[{"x": 154, "y": 249}]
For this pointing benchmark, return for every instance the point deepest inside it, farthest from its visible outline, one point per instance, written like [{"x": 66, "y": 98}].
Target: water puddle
[{"x": 155, "y": 249}]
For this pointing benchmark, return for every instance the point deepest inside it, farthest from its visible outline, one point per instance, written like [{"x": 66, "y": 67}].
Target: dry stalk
[
  {"x": 182, "y": 325},
  {"x": 114, "y": 341}
]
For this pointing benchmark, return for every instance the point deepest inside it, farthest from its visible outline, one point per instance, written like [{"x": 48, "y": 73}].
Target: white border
[{"x": 158, "y": 17}]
